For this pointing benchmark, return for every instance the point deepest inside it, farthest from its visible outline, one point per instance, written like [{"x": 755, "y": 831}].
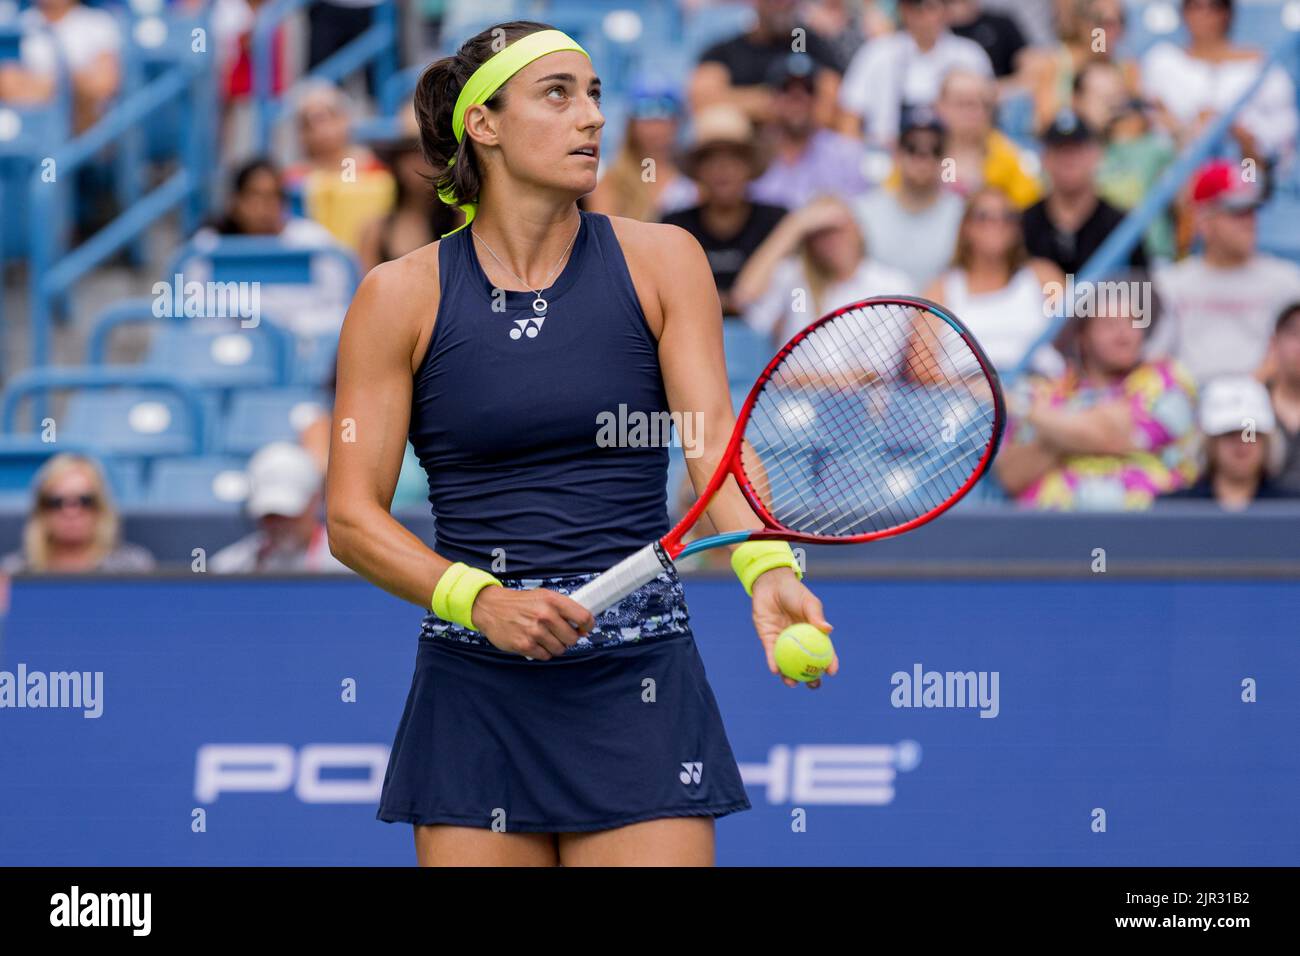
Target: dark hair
[
  {"x": 1286, "y": 315},
  {"x": 435, "y": 100},
  {"x": 239, "y": 182},
  {"x": 224, "y": 223}
]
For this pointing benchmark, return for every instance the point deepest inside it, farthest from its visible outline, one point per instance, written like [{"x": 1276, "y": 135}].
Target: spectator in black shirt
[
  {"x": 997, "y": 33},
  {"x": 1071, "y": 222},
  {"x": 734, "y": 71},
  {"x": 723, "y": 159}
]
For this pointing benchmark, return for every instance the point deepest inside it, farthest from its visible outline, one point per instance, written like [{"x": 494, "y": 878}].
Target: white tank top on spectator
[
  {"x": 774, "y": 314},
  {"x": 1186, "y": 85},
  {"x": 1005, "y": 321}
]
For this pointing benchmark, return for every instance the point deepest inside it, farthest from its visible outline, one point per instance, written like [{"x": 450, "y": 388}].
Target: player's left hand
[{"x": 780, "y": 599}]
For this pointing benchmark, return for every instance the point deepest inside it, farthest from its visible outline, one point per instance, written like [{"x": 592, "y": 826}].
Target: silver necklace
[{"x": 539, "y": 303}]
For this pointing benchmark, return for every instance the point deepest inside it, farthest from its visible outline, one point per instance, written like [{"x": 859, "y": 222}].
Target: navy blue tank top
[{"x": 512, "y": 418}]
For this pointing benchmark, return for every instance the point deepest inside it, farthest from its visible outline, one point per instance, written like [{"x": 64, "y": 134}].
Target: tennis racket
[{"x": 872, "y": 421}]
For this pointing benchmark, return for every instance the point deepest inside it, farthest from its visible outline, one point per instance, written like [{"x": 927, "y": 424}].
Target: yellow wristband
[
  {"x": 453, "y": 597},
  {"x": 752, "y": 558}
]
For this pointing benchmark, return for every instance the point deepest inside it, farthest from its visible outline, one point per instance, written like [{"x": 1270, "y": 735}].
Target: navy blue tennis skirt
[{"x": 622, "y": 727}]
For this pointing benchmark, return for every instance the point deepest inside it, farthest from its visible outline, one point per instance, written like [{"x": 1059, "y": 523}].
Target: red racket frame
[{"x": 731, "y": 459}]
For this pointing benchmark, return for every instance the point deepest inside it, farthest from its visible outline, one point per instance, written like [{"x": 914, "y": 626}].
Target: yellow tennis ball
[{"x": 803, "y": 652}]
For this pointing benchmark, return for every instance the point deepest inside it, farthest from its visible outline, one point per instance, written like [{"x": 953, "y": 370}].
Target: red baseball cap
[{"x": 1220, "y": 183}]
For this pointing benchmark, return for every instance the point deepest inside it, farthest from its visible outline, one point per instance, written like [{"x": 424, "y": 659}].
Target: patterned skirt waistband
[{"x": 653, "y": 611}]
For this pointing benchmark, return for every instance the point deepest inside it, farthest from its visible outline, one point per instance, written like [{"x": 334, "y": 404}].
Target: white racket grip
[{"x": 622, "y": 579}]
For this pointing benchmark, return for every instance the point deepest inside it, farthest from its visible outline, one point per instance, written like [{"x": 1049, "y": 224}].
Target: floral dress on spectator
[{"x": 1162, "y": 397}]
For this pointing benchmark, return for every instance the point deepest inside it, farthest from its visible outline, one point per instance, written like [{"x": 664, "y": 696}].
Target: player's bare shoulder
[
  {"x": 397, "y": 300},
  {"x": 658, "y": 245},
  {"x": 661, "y": 257}
]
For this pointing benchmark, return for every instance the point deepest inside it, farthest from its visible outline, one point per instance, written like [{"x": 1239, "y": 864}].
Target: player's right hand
[{"x": 533, "y": 622}]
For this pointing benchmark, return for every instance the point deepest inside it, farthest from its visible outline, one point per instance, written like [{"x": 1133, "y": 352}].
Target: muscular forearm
[
  {"x": 728, "y": 511},
  {"x": 378, "y": 547}
]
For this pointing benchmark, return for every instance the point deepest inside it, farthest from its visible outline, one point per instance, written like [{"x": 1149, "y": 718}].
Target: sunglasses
[{"x": 58, "y": 502}]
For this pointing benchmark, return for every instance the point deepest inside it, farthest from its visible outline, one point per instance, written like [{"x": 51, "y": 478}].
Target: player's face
[{"x": 552, "y": 112}]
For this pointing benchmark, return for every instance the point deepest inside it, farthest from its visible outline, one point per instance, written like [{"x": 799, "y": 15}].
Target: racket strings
[
  {"x": 872, "y": 419},
  {"x": 855, "y": 464}
]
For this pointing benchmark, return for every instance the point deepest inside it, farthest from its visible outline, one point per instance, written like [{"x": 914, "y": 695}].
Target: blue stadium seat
[
  {"x": 260, "y": 416},
  {"x": 747, "y": 352},
  {"x": 215, "y": 483},
  {"x": 126, "y": 476},
  {"x": 1278, "y": 234},
  {"x": 217, "y": 355},
  {"x": 129, "y": 421},
  {"x": 313, "y": 365}
]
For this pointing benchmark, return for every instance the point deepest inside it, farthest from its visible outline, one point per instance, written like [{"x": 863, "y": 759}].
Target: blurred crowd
[{"x": 975, "y": 153}]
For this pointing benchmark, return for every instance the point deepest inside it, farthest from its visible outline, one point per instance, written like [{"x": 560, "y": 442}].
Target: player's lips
[{"x": 592, "y": 151}]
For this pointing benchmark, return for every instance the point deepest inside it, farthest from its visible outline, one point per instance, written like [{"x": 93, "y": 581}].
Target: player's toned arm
[
  {"x": 694, "y": 367},
  {"x": 694, "y": 372},
  {"x": 368, "y": 436}
]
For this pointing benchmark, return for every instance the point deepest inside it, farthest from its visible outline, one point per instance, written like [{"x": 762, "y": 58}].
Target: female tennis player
[{"x": 535, "y": 733}]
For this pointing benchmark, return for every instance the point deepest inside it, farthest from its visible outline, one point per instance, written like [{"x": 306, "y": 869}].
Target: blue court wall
[{"x": 1118, "y": 701}]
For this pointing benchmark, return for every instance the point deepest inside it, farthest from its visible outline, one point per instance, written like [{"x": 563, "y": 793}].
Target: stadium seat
[
  {"x": 747, "y": 353},
  {"x": 116, "y": 412},
  {"x": 209, "y": 483},
  {"x": 313, "y": 364},
  {"x": 1277, "y": 227},
  {"x": 129, "y": 422},
  {"x": 219, "y": 355},
  {"x": 260, "y": 416}
]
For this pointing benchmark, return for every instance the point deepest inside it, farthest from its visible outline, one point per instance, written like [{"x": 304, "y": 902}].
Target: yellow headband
[{"x": 489, "y": 78}]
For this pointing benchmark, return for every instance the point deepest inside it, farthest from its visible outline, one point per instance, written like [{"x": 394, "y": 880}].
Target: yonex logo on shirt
[
  {"x": 528, "y": 327},
  {"x": 691, "y": 773}
]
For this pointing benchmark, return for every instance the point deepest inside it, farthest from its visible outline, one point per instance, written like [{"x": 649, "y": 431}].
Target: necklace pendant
[{"x": 539, "y": 305}]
